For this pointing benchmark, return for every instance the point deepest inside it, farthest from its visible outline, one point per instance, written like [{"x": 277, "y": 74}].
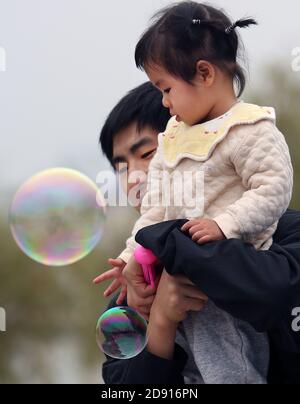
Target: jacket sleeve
[
  {"x": 152, "y": 210},
  {"x": 263, "y": 162},
  {"x": 145, "y": 368},
  {"x": 260, "y": 287}
]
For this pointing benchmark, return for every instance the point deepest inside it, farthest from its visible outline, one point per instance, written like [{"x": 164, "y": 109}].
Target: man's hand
[
  {"x": 140, "y": 296},
  {"x": 117, "y": 274},
  {"x": 203, "y": 230},
  {"x": 176, "y": 296}
]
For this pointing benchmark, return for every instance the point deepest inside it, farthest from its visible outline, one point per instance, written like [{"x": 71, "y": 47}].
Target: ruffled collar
[{"x": 198, "y": 142}]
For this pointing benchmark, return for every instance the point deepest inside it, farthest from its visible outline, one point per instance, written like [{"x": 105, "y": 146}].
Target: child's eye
[
  {"x": 144, "y": 156},
  {"x": 167, "y": 91}
]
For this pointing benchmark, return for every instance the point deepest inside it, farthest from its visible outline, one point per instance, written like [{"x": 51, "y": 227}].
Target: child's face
[
  {"x": 190, "y": 103},
  {"x": 132, "y": 154}
]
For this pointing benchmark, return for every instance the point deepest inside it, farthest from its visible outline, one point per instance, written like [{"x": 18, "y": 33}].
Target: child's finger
[
  {"x": 122, "y": 295},
  {"x": 116, "y": 263},
  {"x": 145, "y": 292},
  {"x": 112, "y": 288},
  {"x": 189, "y": 224},
  {"x": 102, "y": 278},
  {"x": 198, "y": 235},
  {"x": 142, "y": 302},
  {"x": 195, "y": 229},
  {"x": 204, "y": 240},
  {"x": 111, "y": 274},
  {"x": 136, "y": 301}
]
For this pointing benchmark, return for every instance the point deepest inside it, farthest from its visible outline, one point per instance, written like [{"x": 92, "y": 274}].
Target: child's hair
[
  {"x": 186, "y": 32},
  {"x": 143, "y": 106}
]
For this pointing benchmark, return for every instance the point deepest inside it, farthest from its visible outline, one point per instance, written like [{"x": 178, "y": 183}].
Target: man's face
[{"x": 132, "y": 154}]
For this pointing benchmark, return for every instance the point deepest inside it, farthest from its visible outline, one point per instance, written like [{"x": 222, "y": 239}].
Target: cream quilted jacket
[{"x": 235, "y": 169}]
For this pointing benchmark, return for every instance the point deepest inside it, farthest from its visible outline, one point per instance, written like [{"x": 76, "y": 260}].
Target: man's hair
[{"x": 143, "y": 106}]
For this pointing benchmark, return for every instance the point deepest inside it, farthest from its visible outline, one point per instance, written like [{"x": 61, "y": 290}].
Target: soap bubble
[
  {"x": 56, "y": 218},
  {"x": 121, "y": 333}
]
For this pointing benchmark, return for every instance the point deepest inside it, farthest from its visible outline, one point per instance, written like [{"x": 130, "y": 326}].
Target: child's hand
[
  {"x": 140, "y": 296},
  {"x": 203, "y": 230},
  {"x": 117, "y": 274}
]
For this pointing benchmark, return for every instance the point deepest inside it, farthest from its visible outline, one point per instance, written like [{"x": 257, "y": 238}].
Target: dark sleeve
[
  {"x": 260, "y": 287},
  {"x": 145, "y": 368}
]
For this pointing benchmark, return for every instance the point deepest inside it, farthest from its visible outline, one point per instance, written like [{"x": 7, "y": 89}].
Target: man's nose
[{"x": 137, "y": 174}]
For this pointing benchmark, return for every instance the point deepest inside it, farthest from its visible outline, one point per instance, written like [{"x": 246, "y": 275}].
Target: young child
[{"x": 190, "y": 53}]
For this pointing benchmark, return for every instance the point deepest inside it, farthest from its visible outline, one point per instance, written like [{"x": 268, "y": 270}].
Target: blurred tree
[
  {"x": 53, "y": 311},
  {"x": 281, "y": 90}
]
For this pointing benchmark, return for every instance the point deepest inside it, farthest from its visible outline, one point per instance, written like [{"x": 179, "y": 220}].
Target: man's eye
[
  {"x": 144, "y": 156},
  {"x": 166, "y": 91}
]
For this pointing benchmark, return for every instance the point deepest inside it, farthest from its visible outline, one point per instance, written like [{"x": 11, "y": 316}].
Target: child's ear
[{"x": 205, "y": 73}]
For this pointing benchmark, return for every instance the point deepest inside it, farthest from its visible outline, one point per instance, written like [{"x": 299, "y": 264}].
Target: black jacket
[{"x": 261, "y": 288}]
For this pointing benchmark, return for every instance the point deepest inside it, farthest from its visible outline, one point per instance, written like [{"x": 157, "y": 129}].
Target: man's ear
[{"x": 205, "y": 73}]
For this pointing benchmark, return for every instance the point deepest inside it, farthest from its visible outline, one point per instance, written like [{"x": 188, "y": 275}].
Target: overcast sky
[{"x": 69, "y": 61}]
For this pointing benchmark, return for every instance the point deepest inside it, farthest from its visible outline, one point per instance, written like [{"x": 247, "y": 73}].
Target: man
[{"x": 261, "y": 288}]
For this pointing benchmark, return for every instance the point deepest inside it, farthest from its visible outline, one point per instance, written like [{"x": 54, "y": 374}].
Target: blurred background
[{"x": 63, "y": 66}]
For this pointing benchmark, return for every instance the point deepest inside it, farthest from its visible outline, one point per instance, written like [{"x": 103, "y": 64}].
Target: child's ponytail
[{"x": 244, "y": 23}]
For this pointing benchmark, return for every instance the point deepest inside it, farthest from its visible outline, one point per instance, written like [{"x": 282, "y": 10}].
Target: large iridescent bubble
[
  {"x": 56, "y": 217},
  {"x": 121, "y": 333}
]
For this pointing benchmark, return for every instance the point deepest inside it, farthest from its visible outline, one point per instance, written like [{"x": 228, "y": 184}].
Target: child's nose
[{"x": 166, "y": 103}]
